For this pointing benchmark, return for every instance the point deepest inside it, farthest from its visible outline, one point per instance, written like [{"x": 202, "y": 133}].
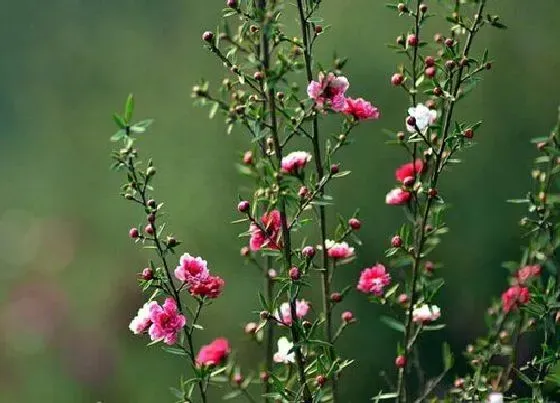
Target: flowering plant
[{"x": 286, "y": 215}]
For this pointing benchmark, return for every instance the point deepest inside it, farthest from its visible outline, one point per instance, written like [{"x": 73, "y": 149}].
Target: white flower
[
  {"x": 283, "y": 354},
  {"x": 424, "y": 118},
  {"x": 425, "y": 313},
  {"x": 142, "y": 320},
  {"x": 495, "y": 397}
]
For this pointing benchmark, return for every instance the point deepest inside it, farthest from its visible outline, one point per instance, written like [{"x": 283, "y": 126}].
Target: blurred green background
[{"x": 67, "y": 269}]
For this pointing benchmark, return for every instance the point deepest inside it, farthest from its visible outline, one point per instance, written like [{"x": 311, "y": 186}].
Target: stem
[
  {"x": 421, "y": 239},
  {"x": 269, "y": 285},
  {"x": 287, "y": 250},
  {"x": 325, "y": 275},
  {"x": 161, "y": 253}
]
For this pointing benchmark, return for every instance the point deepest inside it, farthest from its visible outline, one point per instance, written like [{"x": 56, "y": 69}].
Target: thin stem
[
  {"x": 282, "y": 206},
  {"x": 269, "y": 286},
  {"x": 325, "y": 275}
]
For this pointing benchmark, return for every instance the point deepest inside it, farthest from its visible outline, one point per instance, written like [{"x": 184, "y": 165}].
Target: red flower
[
  {"x": 213, "y": 353},
  {"x": 407, "y": 170},
  {"x": 514, "y": 297},
  {"x": 270, "y": 237},
  {"x": 210, "y": 287}
]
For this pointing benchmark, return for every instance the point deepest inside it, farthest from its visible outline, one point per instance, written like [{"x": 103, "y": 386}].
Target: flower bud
[
  {"x": 355, "y": 224},
  {"x": 248, "y": 158},
  {"x": 244, "y": 251},
  {"x": 400, "y": 40},
  {"x": 294, "y": 273},
  {"x": 152, "y": 203},
  {"x": 409, "y": 181},
  {"x": 488, "y": 66},
  {"x": 264, "y": 315},
  {"x": 401, "y": 135},
  {"x": 151, "y": 171},
  {"x": 430, "y": 104},
  {"x": 397, "y": 79},
  {"x": 541, "y": 146},
  {"x": 459, "y": 383},
  {"x": 429, "y": 267},
  {"x": 402, "y": 8},
  {"x": 396, "y": 241},
  {"x": 307, "y": 324},
  {"x": 449, "y": 42},
  {"x": 336, "y": 297},
  {"x": 263, "y": 376},
  {"x": 318, "y": 29},
  {"x": 147, "y": 274},
  {"x": 272, "y": 273},
  {"x": 429, "y": 61},
  {"x": 258, "y": 75},
  {"x": 238, "y": 378},
  {"x": 133, "y": 233},
  {"x": 335, "y": 168},
  {"x": 208, "y": 36},
  {"x": 303, "y": 191},
  {"x": 468, "y": 133},
  {"x": 400, "y": 361},
  {"x": 171, "y": 242},
  {"x": 149, "y": 229},
  {"x": 412, "y": 40},
  {"x": 347, "y": 316},
  {"x": 320, "y": 380},
  {"x": 450, "y": 64},
  {"x": 423, "y": 8},
  {"x": 308, "y": 252},
  {"x": 232, "y": 3},
  {"x": 402, "y": 299},
  {"x": 251, "y": 328},
  {"x": 438, "y": 38},
  {"x": 432, "y": 193},
  {"x": 411, "y": 121},
  {"x": 151, "y": 217},
  {"x": 243, "y": 206},
  {"x": 438, "y": 92},
  {"x": 430, "y": 72}
]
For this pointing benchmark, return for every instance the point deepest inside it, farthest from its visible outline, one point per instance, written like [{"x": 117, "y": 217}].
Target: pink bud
[
  {"x": 238, "y": 378},
  {"x": 336, "y": 297},
  {"x": 251, "y": 328},
  {"x": 355, "y": 224},
  {"x": 402, "y": 299},
  {"x": 263, "y": 375},
  {"x": 335, "y": 168},
  {"x": 320, "y": 380},
  {"x": 412, "y": 40},
  {"x": 303, "y": 191},
  {"x": 308, "y": 252},
  {"x": 409, "y": 181},
  {"x": 430, "y": 72},
  {"x": 147, "y": 274},
  {"x": 207, "y": 36},
  {"x": 243, "y": 206},
  {"x": 396, "y": 241},
  {"x": 429, "y": 61},
  {"x": 244, "y": 251},
  {"x": 248, "y": 158},
  {"x": 133, "y": 233},
  {"x": 272, "y": 273},
  {"x": 294, "y": 273},
  {"x": 149, "y": 229},
  {"x": 347, "y": 316},
  {"x": 232, "y": 3},
  {"x": 400, "y": 361},
  {"x": 397, "y": 79}
]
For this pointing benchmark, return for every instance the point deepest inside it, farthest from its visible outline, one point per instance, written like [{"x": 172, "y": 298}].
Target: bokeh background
[{"x": 67, "y": 269}]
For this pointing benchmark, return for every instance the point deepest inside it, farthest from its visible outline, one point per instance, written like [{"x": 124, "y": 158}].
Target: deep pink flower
[
  {"x": 167, "y": 322},
  {"x": 338, "y": 250},
  {"x": 360, "y": 109},
  {"x": 373, "y": 280},
  {"x": 143, "y": 320},
  {"x": 295, "y": 161},
  {"x": 210, "y": 287},
  {"x": 191, "y": 269},
  {"x": 407, "y": 170},
  {"x": 271, "y": 238},
  {"x": 397, "y": 196},
  {"x": 527, "y": 272},
  {"x": 329, "y": 91},
  {"x": 514, "y": 297},
  {"x": 284, "y": 314},
  {"x": 214, "y": 353}
]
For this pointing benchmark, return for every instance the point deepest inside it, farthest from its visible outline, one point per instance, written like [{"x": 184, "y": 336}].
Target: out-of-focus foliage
[{"x": 67, "y": 270}]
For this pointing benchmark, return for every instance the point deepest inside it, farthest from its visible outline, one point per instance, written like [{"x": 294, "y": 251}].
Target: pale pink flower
[
  {"x": 423, "y": 116},
  {"x": 360, "y": 109},
  {"x": 270, "y": 237},
  {"x": 214, "y": 353},
  {"x": 191, "y": 269},
  {"x": 167, "y": 322},
  {"x": 528, "y": 272},
  {"x": 425, "y": 313},
  {"x": 284, "y": 314},
  {"x": 338, "y": 250},
  {"x": 295, "y": 161},
  {"x": 397, "y": 197},
  {"x": 143, "y": 320},
  {"x": 329, "y": 91},
  {"x": 373, "y": 280},
  {"x": 283, "y": 355}
]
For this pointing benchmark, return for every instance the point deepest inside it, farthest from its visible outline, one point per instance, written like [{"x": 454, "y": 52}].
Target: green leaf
[
  {"x": 119, "y": 120},
  {"x": 393, "y": 323},
  {"x": 447, "y": 357},
  {"x": 173, "y": 350},
  {"x": 341, "y": 174},
  {"x": 140, "y": 127},
  {"x": 213, "y": 110},
  {"x": 385, "y": 396},
  {"x": 129, "y": 108},
  {"x": 119, "y": 135}
]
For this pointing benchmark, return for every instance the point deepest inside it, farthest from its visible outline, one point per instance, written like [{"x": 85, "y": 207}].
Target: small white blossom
[
  {"x": 425, "y": 313},
  {"x": 496, "y": 397},
  {"x": 283, "y": 354},
  {"x": 424, "y": 118}
]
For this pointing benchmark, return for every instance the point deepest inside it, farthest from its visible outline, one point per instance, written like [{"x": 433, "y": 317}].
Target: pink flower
[
  {"x": 527, "y": 272},
  {"x": 360, "y": 109},
  {"x": 271, "y": 238},
  {"x": 329, "y": 91},
  {"x": 167, "y": 322},
  {"x": 407, "y": 170},
  {"x": 284, "y": 314},
  {"x": 143, "y": 320},
  {"x": 514, "y": 297},
  {"x": 295, "y": 161},
  {"x": 210, "y": 287},
  {"x": 213, "y": 353},
  {"x": 397, "y": 197},
  {"x": 373, "y": 279},
  {"x": 338, "y": 250},
  {"x": 191, "y": 269},
  {"x": 425, "y": 313}
]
